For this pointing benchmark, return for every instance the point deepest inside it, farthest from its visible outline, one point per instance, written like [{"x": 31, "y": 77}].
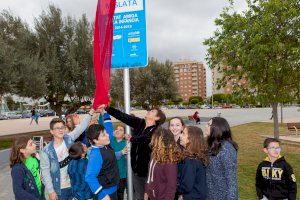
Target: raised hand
[
  {"x": 125, "y": 150},
  {"x": 101, "y": 108},
  {"x": 127, "y": 137}
]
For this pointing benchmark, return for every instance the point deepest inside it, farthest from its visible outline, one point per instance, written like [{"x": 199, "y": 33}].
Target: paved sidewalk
[
  {"x": 16, "y": 126},
  {"x": 6, "y": 192}
]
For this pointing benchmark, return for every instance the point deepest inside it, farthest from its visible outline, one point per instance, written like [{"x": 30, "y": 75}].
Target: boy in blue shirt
[{"x": 102, "y": 171}]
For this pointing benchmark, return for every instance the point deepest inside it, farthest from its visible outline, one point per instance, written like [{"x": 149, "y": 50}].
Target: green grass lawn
[
  {"x": 250, "y": 155},
  {"x": 4, "y": 144}
]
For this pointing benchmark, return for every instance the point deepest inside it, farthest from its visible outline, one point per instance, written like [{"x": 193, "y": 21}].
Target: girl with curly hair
[
  {"x": 162, "y": 175},
  {"x": 192, "y": 171}
]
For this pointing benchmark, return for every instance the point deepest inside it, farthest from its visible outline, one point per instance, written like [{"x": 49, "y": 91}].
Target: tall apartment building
[
  {"x": 219, "y": 76},
  {"x": 231, "y": 82},
  {"x": 190, "y": 77}
]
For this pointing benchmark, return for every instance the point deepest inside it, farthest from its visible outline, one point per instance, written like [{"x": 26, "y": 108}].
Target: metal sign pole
[{"x": 128, "y": 131}]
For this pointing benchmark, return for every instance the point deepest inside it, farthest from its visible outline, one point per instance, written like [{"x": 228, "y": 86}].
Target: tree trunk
[
  {"x": 275, "y": 118},
  {"x": 58, "y": 111},
  {"x": 72, "y": 109},
  {"x": 57, "y": 108}
]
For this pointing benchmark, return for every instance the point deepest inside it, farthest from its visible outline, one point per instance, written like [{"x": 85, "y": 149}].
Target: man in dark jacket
[
  {"x": 274, "y": 177},
  {"x": 140, "y": 150}
]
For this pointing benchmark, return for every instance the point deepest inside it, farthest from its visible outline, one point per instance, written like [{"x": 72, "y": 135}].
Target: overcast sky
[{"x": 176, "y": 28}]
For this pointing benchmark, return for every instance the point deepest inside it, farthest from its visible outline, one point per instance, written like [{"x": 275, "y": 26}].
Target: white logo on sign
[
  {"x": 117, "y": 37},
  {"x": 123, "y": 6}
]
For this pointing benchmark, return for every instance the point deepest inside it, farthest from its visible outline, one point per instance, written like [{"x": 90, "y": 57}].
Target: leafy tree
[
  {"x": 18, "y": 62},
  {"x": 10, "y": 28},
  {"x": 64, "y": 47},
  {"x": 261, "y": 45},
  {"x": 199, "y": 99},
  {"x": 185, "y": 103},
  {"x": 194, "y": 101},
  {"x": 177, "y": 100},
  {"x": 10, "y": 102},
  {"x": 220, "y": 98},
  {"x": 117, "y": 87},
  {"x": 149, "y": 86},
  {"x": 170, "y": 103}
]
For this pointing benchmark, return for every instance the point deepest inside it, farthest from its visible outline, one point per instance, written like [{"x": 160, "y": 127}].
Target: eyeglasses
[
  {"x": 59, "y": 128},
  {"x": 274, "y": 148}
]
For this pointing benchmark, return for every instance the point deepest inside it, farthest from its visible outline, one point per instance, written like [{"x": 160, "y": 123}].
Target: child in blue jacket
[
  {"x": 102, "y": 173},
  {"x": 77, "y": 171}
]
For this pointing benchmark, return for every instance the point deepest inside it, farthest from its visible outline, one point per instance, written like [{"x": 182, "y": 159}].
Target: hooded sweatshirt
[{"x": 275, "y": 180}]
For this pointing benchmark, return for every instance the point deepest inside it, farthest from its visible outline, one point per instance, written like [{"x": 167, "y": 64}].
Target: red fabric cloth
[{"x": 103, "y": 41}]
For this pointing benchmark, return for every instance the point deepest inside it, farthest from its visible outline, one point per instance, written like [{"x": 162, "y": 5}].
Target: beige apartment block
[
  {"x": 230, "y": 82},
  {"x": 190, "y": 77}
]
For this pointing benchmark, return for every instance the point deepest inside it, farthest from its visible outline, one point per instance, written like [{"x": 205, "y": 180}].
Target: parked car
[
  {"x": 164, "y": 108},
  {"x": 46, "y": 113},
  {"x": 227, "y": 106},
  {"x": 13, "y": 115},
  {"x": 26, "y": 114},
  {"x": 217, "y": 107},
  {"x": 204, "y": 106},
  {"x": 236, "y": 106},
  {"x": 3, "y": 117},
  {"x": 192, "y": 107}
]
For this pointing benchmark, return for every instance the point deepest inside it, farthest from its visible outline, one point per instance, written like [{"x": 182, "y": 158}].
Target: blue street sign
[{"x": 129, "y": 39}]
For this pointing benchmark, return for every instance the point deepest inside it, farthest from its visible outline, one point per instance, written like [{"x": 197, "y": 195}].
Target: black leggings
[{"x": 121, "y": 188}]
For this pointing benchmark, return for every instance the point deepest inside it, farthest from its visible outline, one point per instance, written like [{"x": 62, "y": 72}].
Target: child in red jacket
[{"x": 162, "y": 175}]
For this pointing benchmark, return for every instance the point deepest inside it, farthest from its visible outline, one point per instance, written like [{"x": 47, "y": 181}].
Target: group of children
[{"x": 185, "y": 163}]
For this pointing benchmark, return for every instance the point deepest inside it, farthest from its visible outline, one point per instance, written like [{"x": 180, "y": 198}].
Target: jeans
[
  {"x": 138, "y": 187},
  {"x": 66, "y": 194}
]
